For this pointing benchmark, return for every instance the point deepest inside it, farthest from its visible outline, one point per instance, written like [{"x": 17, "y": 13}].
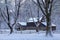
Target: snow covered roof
[
  {"x": 22, "y": 23},
  {"x": 46, "y": 24},
  {"x": 33, "y": 19}
]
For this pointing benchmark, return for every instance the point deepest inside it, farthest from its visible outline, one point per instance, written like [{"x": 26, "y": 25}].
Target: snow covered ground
[
  {"x": 28, "y": 35},
  {"x": 34, "y": 36}
]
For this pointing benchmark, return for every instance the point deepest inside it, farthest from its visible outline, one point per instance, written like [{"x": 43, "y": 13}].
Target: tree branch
[
  {"x": 17, "y": 14},
  {"x": 51, "y": 7},
  {"x": 43, "y": 4},
  {"x": 39, "y": 4}
]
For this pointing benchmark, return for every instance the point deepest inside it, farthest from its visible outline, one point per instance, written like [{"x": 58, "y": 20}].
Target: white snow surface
[
  {"x": 34, "y": 19},
  {"x": 28, "y": 35},
  {"x": 46, "y": 24},
  {"x": 34, "y": 36},
  {"x": 22, "y": 23}
]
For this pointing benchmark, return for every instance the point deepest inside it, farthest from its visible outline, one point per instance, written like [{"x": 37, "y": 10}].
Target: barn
[{"x": 31, "y": 25}]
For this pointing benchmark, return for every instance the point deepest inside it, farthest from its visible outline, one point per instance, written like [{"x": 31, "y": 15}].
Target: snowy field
[
  {"x": 34, "y": 36},
  {"x": 28, "y": 35}
]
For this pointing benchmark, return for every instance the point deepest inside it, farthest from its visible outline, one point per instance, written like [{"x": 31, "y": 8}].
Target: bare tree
[
  {"x": 46, "y": 8},
  {"x": 7, "y": 18}
]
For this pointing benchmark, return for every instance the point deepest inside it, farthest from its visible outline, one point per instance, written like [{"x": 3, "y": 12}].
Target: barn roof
[
  {"x": 23, "y": 23},
  {"x": 46, "y": 24},
  {"x": 33, "y": 19}
]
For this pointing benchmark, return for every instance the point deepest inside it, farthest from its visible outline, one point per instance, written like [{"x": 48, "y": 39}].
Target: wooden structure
[{"x": 31, "y": 25}]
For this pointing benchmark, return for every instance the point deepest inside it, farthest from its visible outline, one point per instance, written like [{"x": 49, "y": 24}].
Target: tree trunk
[
  {"x": 37, "y": 26},
  {"x": 11, "y": 29},
  {"x": 48, "y": 27},
  {"x": 37, "y": 29}
]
